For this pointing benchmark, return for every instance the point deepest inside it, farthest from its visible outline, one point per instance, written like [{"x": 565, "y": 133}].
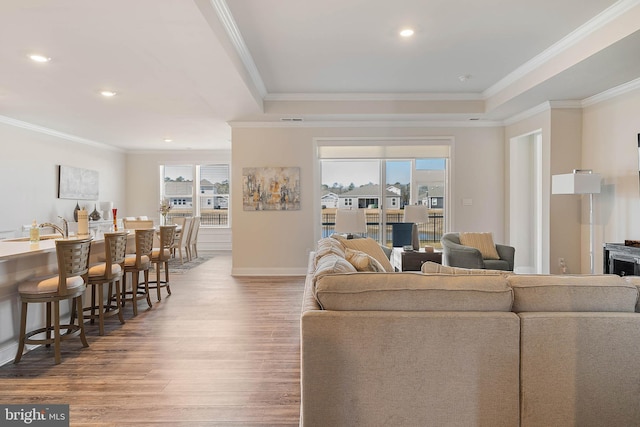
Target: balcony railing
[
  {"x": 429, "y": 232},
  {"x": 209, "y": 217}
]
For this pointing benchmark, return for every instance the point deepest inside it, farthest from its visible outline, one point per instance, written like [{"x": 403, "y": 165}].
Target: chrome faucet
[{"x": 64, "y": 230}]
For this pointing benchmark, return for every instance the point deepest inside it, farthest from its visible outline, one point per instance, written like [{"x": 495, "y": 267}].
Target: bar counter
[
  {"x": 21, "y": 260},
  {"x": 12, "y": 249}
]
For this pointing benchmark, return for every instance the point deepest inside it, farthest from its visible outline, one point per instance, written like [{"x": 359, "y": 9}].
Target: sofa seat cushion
[
  {"x": 413, "y": 292},
  {"x": 431, "y": 267},
  {"x": 557, "y": 293},
  {"x": 496, "y": 264}
]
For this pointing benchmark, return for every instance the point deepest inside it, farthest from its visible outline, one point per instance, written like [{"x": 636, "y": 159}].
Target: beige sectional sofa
[{"x": 412, "y": 349}]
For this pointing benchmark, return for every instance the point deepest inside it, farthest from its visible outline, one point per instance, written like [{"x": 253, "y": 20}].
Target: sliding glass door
[{"x": 355, "y": 184}]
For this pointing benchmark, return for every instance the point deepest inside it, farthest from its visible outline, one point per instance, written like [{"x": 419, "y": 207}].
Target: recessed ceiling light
[
  {"x": 108, "y": 93},
  {"x": 407, "y": 32},
  {"x": 168, "y": 140},
  {"x": 464, "y": 78},
  {"x": 39, "y": 58}
]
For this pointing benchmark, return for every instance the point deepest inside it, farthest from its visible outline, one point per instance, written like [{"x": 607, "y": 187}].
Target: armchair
[{"x": 457, "y": 255}]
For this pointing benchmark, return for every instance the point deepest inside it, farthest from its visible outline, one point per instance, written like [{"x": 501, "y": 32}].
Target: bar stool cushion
[
  {"x": 99, "y": 270},
  {"x": 166, "y": 254},
  {"x": 48, "y": 286},
  {"x": 130, "y": 261}
]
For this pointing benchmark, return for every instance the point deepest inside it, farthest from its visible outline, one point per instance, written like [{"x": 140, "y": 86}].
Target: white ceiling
[{"x": 184, "y": 68}]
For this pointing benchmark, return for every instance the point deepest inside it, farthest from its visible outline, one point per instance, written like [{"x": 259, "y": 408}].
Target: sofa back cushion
[
  {"x": 413, "y": 292},
  {"x": 553, "y": 293},
  {"x": 430, "y": 267},
  {"x": 634, "y": 281}
]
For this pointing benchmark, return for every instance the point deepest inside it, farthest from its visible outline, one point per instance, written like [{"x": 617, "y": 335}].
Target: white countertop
[{"x": 12, "y": 248}]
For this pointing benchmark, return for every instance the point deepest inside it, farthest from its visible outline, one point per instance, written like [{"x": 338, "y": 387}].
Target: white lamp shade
[
  {"x": 418, "y": 214},
  {"x": 351, "y": 221},
  {"x": 576, "y": 183}
]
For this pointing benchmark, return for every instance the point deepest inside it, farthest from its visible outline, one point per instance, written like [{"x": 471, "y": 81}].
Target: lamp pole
[{"x": 591, "y": 232}]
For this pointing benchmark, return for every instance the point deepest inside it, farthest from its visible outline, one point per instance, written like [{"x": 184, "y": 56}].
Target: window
[
  {"x": 382, "y": 176},
  {"x": 197, "y": 190}
]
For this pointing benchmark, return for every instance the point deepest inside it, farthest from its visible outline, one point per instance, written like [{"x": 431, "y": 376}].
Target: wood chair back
[{"x": 73, "y": 260}]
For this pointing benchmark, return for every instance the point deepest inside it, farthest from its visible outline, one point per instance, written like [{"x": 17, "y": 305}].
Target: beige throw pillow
[
  {"x": 482, "y": 242},
  {"x": 363, "y": 262},
  {"x": 370, "y": 247}
]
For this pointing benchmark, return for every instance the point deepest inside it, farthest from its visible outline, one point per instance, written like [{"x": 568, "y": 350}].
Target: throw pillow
[
  {"x": 363, "y": 262},
  {"x": 482, "y": 242},
  {"x": 430, "y": 267},
  {"x": 326, "y": 247},
  {"x": 370, "y": 247},
  {"x": 332, "y": 264}
]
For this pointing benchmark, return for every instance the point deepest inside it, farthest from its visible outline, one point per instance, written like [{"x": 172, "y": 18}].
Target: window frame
[{"x": 197, "y": 192}]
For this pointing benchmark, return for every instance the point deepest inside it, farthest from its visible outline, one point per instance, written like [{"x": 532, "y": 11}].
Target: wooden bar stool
[
  {"x": 134, "y": 264},
  {"x": 70, "y": 284},
  {"x": 160, "y": 258},
  {"x": 109, "y": 272}
]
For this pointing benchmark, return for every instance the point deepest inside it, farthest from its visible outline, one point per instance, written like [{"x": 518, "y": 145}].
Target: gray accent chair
[{"x": 457, "y": 255}]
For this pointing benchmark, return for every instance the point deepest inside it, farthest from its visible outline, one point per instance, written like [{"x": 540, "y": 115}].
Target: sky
[{"x": 365, "y": 171}]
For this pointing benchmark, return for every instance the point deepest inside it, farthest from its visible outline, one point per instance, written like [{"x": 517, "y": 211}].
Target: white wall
[
  {"x": 143, "y": 182},
  {"x": 29, "y": 176},
  {"x": 561, "y": 130},
  {"x": 29, "y": 188},
  {"x": 278, "y": 242},
  {"x": 610, "y": 130}
]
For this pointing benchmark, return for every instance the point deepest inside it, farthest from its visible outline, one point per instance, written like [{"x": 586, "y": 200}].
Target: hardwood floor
[{"x": 220, "y": 351}]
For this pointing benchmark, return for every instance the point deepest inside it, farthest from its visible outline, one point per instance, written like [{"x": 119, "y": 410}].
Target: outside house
[
  {"x": 179, "y": 193},
  {"x": 367, "y": 196},
  {"x": 209, "y": 197},
  {"x": 432, "y": 196},
  {"x": 329, "y": 200}
]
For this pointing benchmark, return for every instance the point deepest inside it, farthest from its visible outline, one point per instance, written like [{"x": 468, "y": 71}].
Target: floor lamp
[{"x": 581, "y": 181}]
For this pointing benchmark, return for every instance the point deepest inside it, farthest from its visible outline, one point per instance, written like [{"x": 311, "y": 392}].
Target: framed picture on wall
[
  {"x": 271, "y": 189},
  {"x": 77, "y": 183}
]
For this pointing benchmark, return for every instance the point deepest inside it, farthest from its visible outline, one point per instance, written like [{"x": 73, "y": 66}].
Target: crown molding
[
  {"x": 612, "y": 12},
  {"x": 368, "y": 124},
  {"x": 612, "y": 93},
  {"x": 232, "y": 30},
  {"x": 51, "y": 132},
  {"x": 373, "y": 97},
  {"x": 541, "y": 108}
]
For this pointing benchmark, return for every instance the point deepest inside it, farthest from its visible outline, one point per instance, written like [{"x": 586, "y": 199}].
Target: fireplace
[{"x": 621, "y": 259}]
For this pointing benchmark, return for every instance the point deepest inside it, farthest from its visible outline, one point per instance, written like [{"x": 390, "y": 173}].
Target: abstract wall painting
[
  {"x": 77, "y": 183},
  {"x": 271, "y": 189}
]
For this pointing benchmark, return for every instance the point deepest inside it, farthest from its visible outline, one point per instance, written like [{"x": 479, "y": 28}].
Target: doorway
[{"x": 525, "y": 202}]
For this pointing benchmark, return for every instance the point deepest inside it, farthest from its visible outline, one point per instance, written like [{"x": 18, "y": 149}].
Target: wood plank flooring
[{"x": 220, "y": 351}]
